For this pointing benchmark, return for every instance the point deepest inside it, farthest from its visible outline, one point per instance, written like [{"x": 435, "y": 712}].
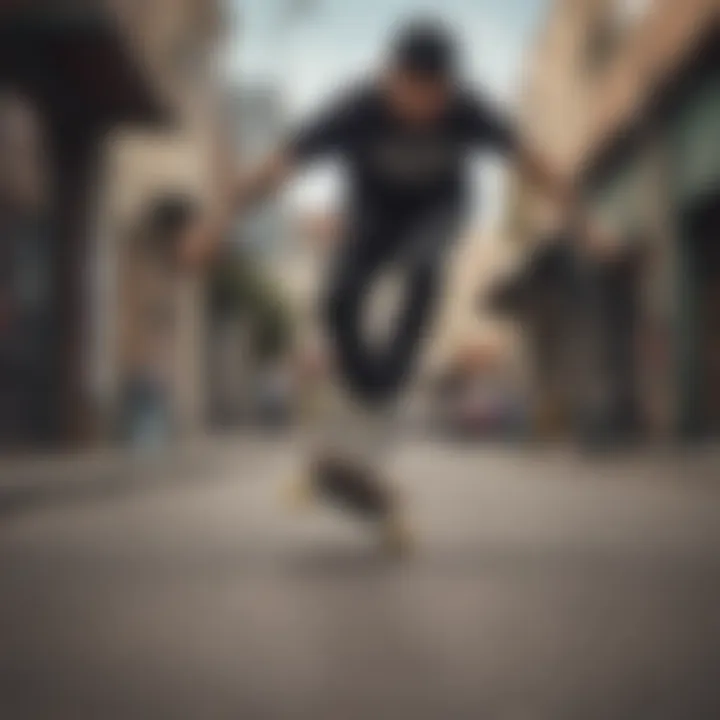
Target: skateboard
[
  {"x": 355, "y": 488},
  {"x": 347, "y": 445}
]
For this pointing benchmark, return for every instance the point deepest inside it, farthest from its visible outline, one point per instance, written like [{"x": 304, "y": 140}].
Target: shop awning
[{"x": 75, "y": 64}]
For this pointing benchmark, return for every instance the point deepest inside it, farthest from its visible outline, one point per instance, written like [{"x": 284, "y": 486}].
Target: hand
[
  {"x": 603, "y": 246},
  {"x": 600, "y": 242},
  {"x": 593, "y": 236},
  {"x": 199, "y": 243}
]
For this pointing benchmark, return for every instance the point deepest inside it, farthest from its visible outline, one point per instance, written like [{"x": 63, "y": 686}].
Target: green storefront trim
[
  {"x": 618, "y": 201},
  {"x": 693, "y": 142}
]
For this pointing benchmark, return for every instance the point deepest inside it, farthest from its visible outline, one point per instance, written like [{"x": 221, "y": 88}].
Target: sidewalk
[
  {"x": 54, "y": 476},
  {"x": 58, "y": 477},
  {"x": 45, "y": 479}
]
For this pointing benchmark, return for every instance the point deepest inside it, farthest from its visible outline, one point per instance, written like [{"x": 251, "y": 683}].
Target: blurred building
[
  {"x": 256, "y": 119},
  {"x": 315, "y": 235},
  {"x": 150, "y": 333},
  {"x": 82, "y": 70},
  {"x": 474, "y": 370},
  {"x": 461, "y": 330},
  {"x": 624, "y": 97},
  {"x": 253, "y": 116},
  {"x": 149, "y": 316},
  {"x": 26, "y": 304}
]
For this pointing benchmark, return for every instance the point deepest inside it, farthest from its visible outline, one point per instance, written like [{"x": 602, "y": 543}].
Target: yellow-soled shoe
[
  {"x": 397, "y": 537},
  {"x": 300, "y": 493}
]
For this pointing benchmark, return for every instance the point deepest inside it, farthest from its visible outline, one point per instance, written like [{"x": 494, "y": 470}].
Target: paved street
[{"x": 544, "y": 588}]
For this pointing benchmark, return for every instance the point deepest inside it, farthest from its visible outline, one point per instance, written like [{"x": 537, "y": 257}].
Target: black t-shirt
[{"x": 397, "y": 170}]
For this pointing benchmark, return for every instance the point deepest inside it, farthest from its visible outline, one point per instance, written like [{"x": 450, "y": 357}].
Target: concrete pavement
[{"x": 543, "y": 587}]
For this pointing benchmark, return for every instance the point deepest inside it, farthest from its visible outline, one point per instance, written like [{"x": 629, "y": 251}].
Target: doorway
[{"x": 704, "y": 351}]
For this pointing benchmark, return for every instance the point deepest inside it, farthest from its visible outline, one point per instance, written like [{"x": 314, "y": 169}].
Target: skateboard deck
[
  {"x": 358, "y": 491},
  {"x": 345, "y": 450}
]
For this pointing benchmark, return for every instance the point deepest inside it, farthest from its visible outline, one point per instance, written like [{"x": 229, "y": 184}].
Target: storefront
[
  {"x": 75, "y": 70},
  {"x": 693, "y": 142},
  {"x": 621, "y": 309},
  {"x": 657, "y": 189},
  {"x": 547, "y": 297}
]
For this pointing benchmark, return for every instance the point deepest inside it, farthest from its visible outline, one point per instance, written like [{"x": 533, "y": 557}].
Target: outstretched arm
[
  {"x": 263, "y": 181},
  {"x": 326, "y": 133},
  {"x": 204, "y": 238},
  {"x": 485, "y": 124},
  {"x": 560, "y": 191},
  {"x": 544, "y": 179}
]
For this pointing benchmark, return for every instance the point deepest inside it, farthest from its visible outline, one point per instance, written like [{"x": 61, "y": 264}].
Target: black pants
[{"x": 375, "y": 373}]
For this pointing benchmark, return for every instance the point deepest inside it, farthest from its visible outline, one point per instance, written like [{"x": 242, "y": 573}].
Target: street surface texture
[{"x": 544, "y": 587}]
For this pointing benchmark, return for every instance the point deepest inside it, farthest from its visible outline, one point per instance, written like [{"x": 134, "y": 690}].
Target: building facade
[
  {"x": 83, "y": 70},
  {"x": 256, "y": 119},
  {"x": 632, "y": 94},
  {"x": 150, "y": 336},
  {"x": 26, "y": 303},
  {"x": 253, "y": 118}
]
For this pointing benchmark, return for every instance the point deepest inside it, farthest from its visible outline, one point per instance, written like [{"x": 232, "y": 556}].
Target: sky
[{"x": 334, "y": 41}]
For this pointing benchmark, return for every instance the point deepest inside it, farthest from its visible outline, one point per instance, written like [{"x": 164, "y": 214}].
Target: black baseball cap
[{"x": 427, "y": 48}]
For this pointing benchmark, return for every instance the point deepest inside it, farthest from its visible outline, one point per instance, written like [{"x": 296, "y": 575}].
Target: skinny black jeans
[{"x": 376, "y": 373}]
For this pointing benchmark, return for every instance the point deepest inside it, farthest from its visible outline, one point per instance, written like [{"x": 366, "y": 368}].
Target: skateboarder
[{"x": 406, "y": 137}]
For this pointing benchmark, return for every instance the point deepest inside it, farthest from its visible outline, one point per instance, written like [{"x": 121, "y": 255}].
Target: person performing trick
[{"x": 405, "y": 137}]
